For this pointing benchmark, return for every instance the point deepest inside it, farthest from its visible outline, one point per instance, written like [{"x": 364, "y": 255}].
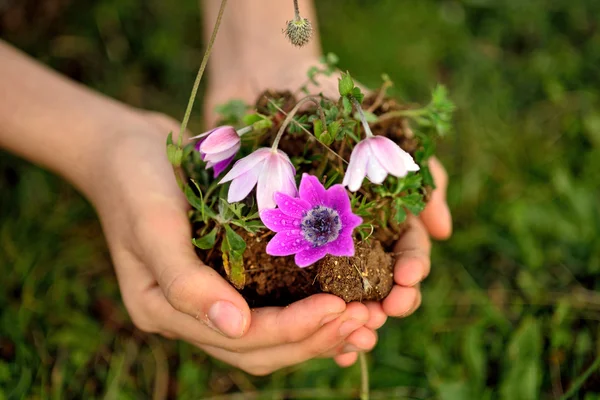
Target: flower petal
[
  {"x": 277, "y": 175},
  {"x": 224, "y": 155},
  {"x": 293, "y": 207},
  {"x": 312, "y": 190},
  {"x": 310, "y": 256},
  {"x": 242, "y": 185},
  {"x": 337, "y": 198},
  {"x": 203, "y": 135},
  {"x": 221, "y": 139},
  {"x": 277, "y": 221},
  {"x": 375, "y": 171},
  {"x": 349, "y": 222},
  {"x": 287, "y": 243},
  {"x": 246, "y": 164},
  {"x": 395, "y": 160},
  {"x": 357, "y": 168},
  {"x": 343, "y": 246},
  {"x": 220, "y": 166}
]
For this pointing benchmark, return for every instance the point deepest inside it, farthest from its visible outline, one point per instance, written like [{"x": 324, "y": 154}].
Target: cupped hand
[{"x": 168, "y": 290}]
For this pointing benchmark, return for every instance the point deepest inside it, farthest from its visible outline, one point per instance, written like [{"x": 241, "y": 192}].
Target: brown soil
[{"x": 277, "y": 281}]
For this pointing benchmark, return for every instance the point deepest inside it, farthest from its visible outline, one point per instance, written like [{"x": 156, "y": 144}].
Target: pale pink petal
[
  {"x": 395, "y": 160},
  {"x": 310, "y": 256},
  {"x": 375, "y": 171},
  {"x": 216, "y": 157},
  {"x": 312, "y": 190},
  {"x": 337, "y": 198},
  {"x": 287, "y": 243},
  {"x": 246, "y": 164},
  {"x": 203, "y": 135},
  {"x": 242, "y": 185},
  {"x": 294, "y": 207},
  {"x": 277, "y": 221},
  {"x": 357, "y": 168},
  {"x": 277, "y": 175},
  {"x": 220, "y": 140},
  {"x": 343, "y": 246}
]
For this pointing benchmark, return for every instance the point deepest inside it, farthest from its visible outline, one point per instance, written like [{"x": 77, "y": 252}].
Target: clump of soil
[{"x": 277, "y": 281}]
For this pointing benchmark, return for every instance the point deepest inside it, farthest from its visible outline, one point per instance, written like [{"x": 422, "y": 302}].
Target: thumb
[{"x": 189, "y": 285}]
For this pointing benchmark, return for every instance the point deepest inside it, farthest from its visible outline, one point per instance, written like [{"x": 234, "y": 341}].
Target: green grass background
[{"x": 512, "y": 307}]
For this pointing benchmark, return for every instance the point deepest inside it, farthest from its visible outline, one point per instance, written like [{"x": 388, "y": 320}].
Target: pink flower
[
  {"x": 218, "y": 147},
  {"x": 317, "y": 223},
  {"x": 375, "y": 157},
  {"x": 270, "y": 168}
]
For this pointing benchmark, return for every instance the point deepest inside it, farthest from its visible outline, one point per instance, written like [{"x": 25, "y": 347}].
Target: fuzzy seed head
[{"x": 298, "y": 31}]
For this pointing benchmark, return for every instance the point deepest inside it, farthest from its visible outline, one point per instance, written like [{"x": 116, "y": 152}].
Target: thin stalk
[
  {"x": 309, "y": 133},
  {"x": 293, "y": 113},
  {"x": 296, "y": 10},
  {"x": 581, "y": 380},
  {"x": 363, "y": 119},
  {"x": 364, "y": 376},
  {"x": 190, "y": 105},
  {"x": 402, "y": 113}
]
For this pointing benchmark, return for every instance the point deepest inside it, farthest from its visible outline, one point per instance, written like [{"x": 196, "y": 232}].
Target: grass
[{"x": 512, "y": 307}]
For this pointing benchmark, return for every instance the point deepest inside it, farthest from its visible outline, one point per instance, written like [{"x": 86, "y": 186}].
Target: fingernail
[
  {"x": 350, "y": 326},
  {"x": 331, "y": 317},
  {"x": 350, "y": 348},
  {"x": 227, "y": 319}
]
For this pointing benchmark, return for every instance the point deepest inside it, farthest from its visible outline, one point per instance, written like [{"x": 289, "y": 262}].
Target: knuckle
[{"x": 177, "y": 292}]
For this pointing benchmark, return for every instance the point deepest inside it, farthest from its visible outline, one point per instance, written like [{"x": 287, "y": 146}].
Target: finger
[
  {"x": 413, "y": 261},
  {"x": 271, "y": 326},
  {"x": 402, "y": 301},
  {"x": 361, "y": 340},
  {"x": 436, "y": 215},
  {"x": 265, "y": 361},
  {"x": 346, "y": 360},
  {"x": 188, "y": 285},
  {"x": 376, "y": 315}
]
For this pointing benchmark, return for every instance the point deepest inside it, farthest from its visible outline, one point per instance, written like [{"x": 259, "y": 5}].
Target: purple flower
[
  {"x": 270, "y": 168},
  {"x": 376, "y": 157},
  {"x": 317, "y": 223},
  {"x": 218, "y": 147}
]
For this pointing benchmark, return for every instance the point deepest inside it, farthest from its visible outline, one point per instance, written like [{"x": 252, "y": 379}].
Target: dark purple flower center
[{"x": 321, "y": 225}]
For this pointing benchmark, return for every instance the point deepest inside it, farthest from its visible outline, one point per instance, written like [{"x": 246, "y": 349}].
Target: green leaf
[
  {"x": 347, "y": 105},
  {"x": 318, "y": 127},
  {"x": 334, "y": 128},
  {"x": 358, "y": 94},
  {"x": 174, "y": 155},
  {"x": 235, "y": 242},
  {"x": 194, "y": 200},
  {"x": 312, "y": 73},
  {"x": 249, "y": 119},
  {"x": 400, "y": 213},
  {"x": 207, "y": 241},
  {"x": 345, "y": 84}
]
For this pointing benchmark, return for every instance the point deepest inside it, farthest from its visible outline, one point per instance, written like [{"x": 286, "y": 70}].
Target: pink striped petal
[
  {"x": 391, "y": 156},
  {"x": 310, "y": 256},
  {"x": 293, "y": 207},
  {"x": 287, "y": 243},
  {"x": 357, "y": 168},
  {"x": 277, "y": 175},
  {"x": 375, "y": 171},
  {"x": 221, "y": 139},
  {"x": 312, "y": 190},
  {"x": 224, "y": 155},
  {"x": 242, "y": 185},
  {"x": 277, "y": 221},
  {"x": 246, "y": 164}
]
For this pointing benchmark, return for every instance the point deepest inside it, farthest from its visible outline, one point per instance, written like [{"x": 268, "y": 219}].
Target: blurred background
[{"x": 512, "y": 307}]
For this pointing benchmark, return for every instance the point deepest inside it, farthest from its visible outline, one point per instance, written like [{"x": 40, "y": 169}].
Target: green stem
[
  {"x": 402, "y": 113},
  {"x": 363, "y": 119},
  {"x": 293, "y": 113},
  {"x": 364, "y": 376},
  {"x": 581, "y": 380},
  {"x": 190, "y": 105}
]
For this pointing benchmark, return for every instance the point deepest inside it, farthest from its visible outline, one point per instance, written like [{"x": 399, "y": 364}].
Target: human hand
[
  {"x": 413, "y": 249},
  {"x": 168, "y": 290}
]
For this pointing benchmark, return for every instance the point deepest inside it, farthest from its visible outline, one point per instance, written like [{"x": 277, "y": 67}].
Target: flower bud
[{"x": 298, "y": 31}]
